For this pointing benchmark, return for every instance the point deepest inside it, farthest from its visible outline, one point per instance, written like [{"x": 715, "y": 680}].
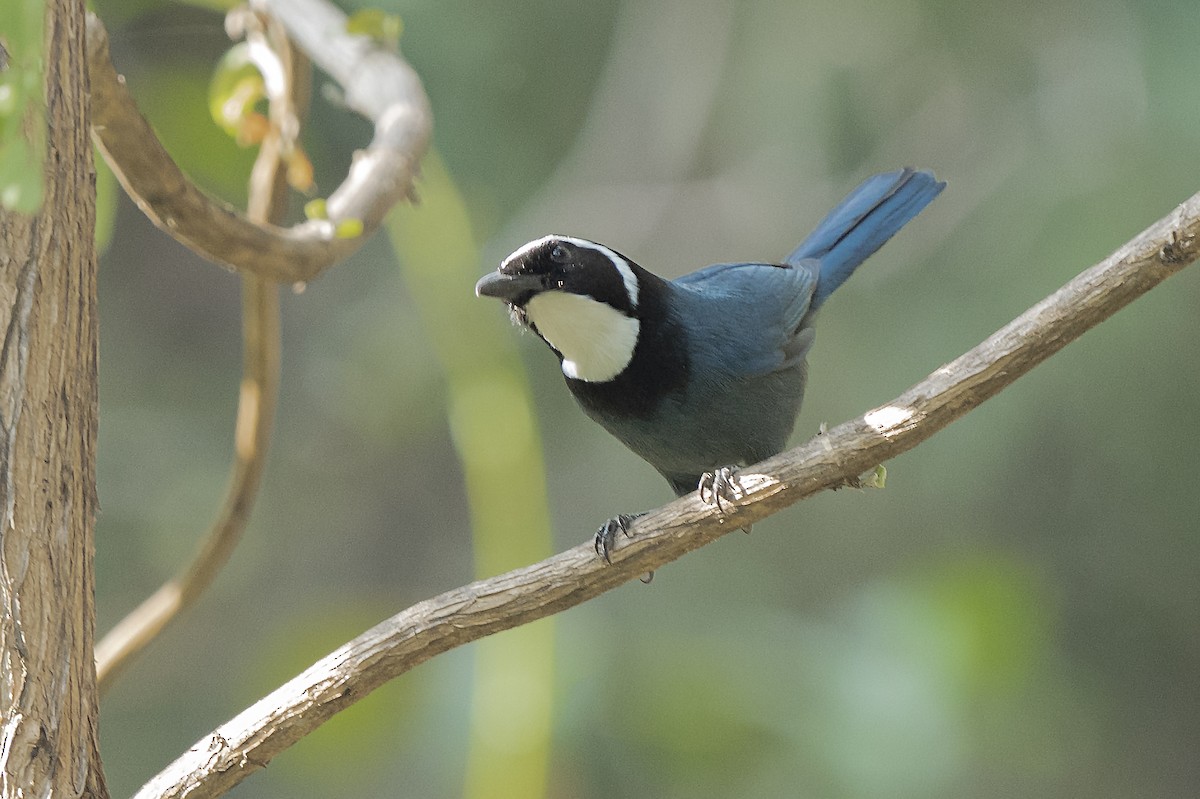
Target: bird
[{"x": 705, "y": 373}]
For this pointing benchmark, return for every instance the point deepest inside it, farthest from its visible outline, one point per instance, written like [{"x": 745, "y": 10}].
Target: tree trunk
[{"x": 48, "y": 741}]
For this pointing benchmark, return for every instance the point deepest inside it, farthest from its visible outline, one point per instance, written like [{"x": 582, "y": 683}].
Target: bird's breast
[{"x": 596, "y": 341}]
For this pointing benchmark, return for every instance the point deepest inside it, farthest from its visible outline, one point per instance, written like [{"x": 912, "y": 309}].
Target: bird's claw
[
  {"x": 606, "y": 536},
  {"x": 720, "y": 485}
]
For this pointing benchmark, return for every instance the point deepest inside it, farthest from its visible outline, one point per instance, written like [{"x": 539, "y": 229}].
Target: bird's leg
[
  {"x": 721, "y": 484},
  {"x": 606, "y": 536}
]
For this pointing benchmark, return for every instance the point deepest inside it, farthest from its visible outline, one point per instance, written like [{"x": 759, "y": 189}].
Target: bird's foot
[
  {"x": 722, "y": 485},
  {"x": 606, "y": 536}
]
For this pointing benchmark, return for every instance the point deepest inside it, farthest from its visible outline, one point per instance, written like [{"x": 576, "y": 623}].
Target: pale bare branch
[
  {"x": 250, "y": 740},
  {"x": 376, "y": 81}
]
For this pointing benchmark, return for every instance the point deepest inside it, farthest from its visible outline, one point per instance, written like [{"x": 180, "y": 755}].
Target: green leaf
[
  {"x": 381, "y": 26},
  {"x": 349, "y": 229},
  {"x": 315, "y": 209},
  {"x": 234, "y": 91}
]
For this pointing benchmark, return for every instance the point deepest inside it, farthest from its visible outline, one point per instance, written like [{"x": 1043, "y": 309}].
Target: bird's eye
[{"x": 560, "y": 254}]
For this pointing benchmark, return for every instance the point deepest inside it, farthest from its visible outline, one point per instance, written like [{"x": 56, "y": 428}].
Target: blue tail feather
[{"x": 862, "y": 223}]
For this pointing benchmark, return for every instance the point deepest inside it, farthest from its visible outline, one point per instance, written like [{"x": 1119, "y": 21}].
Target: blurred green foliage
[
  {"x": 107, "y": 196},
  {"x": 496, "y": 437},
  {"x": 1016, "y": 614},
  {"x": 21, "y": 107}
]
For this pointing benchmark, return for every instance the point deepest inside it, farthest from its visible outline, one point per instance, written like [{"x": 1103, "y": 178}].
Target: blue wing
[
  {"x": 747, "y": 314},
  {"x": 749, "y": 319}
]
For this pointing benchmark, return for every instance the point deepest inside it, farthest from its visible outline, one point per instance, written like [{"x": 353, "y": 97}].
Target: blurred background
[{"x": 1016, "y": 614}]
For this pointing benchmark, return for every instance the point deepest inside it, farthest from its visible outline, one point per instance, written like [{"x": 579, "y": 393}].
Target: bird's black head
[
  {"x": 563, "y": 263},
  {"x": 579, "y": 296}
]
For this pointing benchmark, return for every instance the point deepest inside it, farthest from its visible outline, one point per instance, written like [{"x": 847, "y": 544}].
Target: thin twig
[
  {"x": 257, "y": 399},
  {"x": 250, "y": 740},
  {"x": 377, "y": 83}
]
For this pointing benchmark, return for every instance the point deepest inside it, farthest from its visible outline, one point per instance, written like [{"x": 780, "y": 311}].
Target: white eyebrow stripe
[
  {"x": 623, "y": 268},
  {"x": 524, "y": 248},
  {"x": 627, "y": 276}
]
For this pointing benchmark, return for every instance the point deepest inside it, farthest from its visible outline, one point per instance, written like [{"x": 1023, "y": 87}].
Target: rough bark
[{"x": 48, "y": 741}]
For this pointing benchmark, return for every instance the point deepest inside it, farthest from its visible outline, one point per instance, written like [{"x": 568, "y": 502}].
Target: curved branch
[
  {"x": 250, "y": 740},
  {"x": 377, "y": 82},
  {"x": 255, "y": 416},
  {"x": 259, "y": 393}
]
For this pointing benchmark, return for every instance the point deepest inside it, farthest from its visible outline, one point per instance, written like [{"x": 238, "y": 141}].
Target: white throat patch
[{"x": 595, "y": 339}]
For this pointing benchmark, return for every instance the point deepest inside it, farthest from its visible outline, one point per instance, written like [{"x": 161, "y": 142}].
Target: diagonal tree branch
[
  {"x": 377, "y": 82},
  {"x": 250, "y": 740}
]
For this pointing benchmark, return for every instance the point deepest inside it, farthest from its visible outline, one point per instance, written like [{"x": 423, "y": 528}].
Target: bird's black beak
[{"x": 514, "y": 289}]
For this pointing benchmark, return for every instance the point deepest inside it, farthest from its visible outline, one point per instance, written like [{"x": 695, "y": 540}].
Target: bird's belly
[{"x": 689, "y": 434}]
